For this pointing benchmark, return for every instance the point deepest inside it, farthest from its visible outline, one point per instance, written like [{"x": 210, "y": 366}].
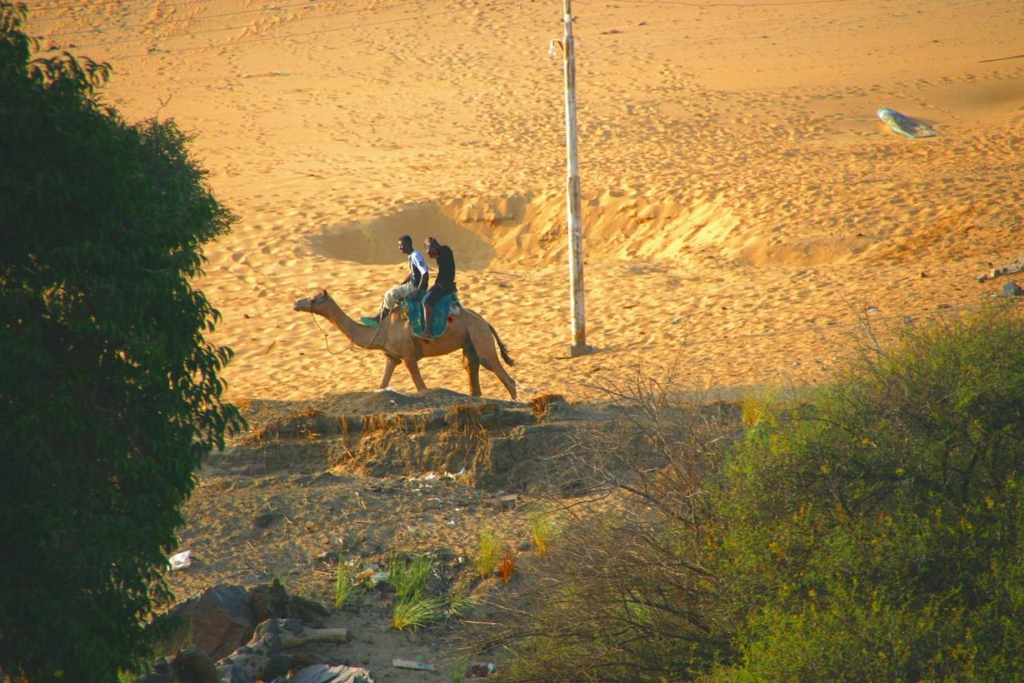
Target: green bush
[
  {"x": 871, "y": 532},
  {"x": 109, "y": 395},
  {"x": 876, "y": 534}
]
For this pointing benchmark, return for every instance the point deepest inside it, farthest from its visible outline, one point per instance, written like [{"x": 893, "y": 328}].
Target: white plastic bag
[{"x": 181, "y": 560}]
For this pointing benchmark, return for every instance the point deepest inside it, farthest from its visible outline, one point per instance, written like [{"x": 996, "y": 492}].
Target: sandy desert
[{"x": 746, "y": 215}]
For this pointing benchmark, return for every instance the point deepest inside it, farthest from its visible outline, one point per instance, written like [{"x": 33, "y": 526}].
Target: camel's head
[{"x": 310, "y": 303}]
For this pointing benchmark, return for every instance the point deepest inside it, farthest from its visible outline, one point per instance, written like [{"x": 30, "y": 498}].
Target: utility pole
[{"x": 578, "y": 346}]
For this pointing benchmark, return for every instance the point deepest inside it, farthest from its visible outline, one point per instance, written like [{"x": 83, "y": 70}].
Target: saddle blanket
[{"x": 444, "y": 309}]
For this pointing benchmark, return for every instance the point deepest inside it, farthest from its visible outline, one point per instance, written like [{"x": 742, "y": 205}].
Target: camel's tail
[{"x": 501, "y": 346}]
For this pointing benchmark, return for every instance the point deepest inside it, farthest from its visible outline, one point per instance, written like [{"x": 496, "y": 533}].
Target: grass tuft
[
  {"x": 414, "y": 613},
  {"x": 409, "y": 576},
  {"x": 345, "y": 585},
  {"x": 413, "y": 608},
  {"x": 488, "y": 554},
  {"x": 541, "y": 528}
]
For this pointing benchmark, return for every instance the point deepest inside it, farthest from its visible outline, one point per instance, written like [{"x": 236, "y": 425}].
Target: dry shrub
[
  {"x": 507, "y": 565},
  {"x": 624, "y": 592}
]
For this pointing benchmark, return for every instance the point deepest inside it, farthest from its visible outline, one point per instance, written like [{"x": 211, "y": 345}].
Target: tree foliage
[
  {"x": 109, "y": 394},
  {"x": 871, "y": 531},
  {"x": 876, "y": 535}
]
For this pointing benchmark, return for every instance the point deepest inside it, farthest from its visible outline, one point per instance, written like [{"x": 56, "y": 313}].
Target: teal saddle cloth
[
  {"x": 442, "y": 311},
  {"x": 413, "y": 309}
]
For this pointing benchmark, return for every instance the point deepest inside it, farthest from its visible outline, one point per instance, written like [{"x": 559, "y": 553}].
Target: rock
[
  {"x": 271, "y": 601},
  {"x": 217, "y": 621},
  {"x": 1011, "y": 289},
  {"x": 192, "y": 665},
  {"x": 161, "y": 673}
]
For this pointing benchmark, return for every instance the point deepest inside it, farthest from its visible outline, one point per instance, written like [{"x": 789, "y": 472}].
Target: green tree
[
  {"x": 877, "y": 533},
  {"x": 109, "y": 394}
]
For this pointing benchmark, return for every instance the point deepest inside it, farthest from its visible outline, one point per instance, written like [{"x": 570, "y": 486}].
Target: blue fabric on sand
[{"x": 904, "y": 125}]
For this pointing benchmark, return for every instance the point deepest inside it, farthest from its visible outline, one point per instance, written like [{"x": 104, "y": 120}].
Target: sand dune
[{"x": 745, "y": 213}]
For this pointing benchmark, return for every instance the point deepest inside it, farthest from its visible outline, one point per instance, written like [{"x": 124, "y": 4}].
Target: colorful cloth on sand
[{"x": 904, "y": 125}]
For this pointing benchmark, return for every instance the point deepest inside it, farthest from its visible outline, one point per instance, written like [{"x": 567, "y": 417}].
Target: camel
[{"x": 467, "y": 332}]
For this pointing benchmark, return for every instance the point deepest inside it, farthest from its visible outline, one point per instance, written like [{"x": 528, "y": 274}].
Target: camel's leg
[
  {"x": 389, "y": 369},
  {"x": 414, "y": 371},
  {"x": 486, "y": 352},
  {"x": 472, "y": 365},
  {"x": 495, "y": 366}
]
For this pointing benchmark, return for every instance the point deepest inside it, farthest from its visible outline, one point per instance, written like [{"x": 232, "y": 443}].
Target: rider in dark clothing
[{"x": 444, "y": 282}]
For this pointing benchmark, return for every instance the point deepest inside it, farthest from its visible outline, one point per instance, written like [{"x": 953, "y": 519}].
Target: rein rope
[{"x": 327, "y": 341}]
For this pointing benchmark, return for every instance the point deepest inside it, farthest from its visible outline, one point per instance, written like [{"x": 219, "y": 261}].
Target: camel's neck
[{"x": 360, "y": 335}]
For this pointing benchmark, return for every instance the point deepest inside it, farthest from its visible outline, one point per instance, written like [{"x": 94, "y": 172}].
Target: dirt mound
[
  {"x": 481, "y": 443},
  {"x": 353, "y": 479}
]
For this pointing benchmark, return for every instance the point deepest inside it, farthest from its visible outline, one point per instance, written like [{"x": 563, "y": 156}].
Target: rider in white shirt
[{"x": 416, "y": 281}]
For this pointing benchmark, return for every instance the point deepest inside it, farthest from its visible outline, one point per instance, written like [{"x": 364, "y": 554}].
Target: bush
[
  {"x": 876, "y": 534},
  {"x": 109, "y": 395},
  {"x": 623, "y": 591},
  {"x": 871, "y": 532}
]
